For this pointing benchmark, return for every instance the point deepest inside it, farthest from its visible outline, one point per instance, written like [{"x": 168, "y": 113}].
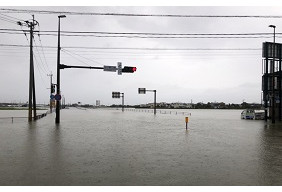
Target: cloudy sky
[{"x": 180, "y": 69}]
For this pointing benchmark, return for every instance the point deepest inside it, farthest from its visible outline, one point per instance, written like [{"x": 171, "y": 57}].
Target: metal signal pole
[
  {"x": 144, "y": 90},
  {"x": 58, "y": 103},
  {"x": 155, "y": 101},
  {"x": 122, "y": 101},
  {"x": 273, "y": 78}
]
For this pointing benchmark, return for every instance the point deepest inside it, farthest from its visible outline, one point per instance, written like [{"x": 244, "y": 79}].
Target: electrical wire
[
  {"x": 81, "y": 56},
  {"x": 149, "y": 37},
  {"x": 77, "y": 58},
  {"x": 7, "y": 20},
  {"x": 139, "y": 33},
  {"x": 43, "y": 51},
  {"x": 16, "y": 19},
  {"x": 41, "y": 61},
  {"x": 139, "y": 48},
  {"x": 162, "y": 37},
  {"x": 44, "y": 82},
  {"x": 4, "y": 10}
]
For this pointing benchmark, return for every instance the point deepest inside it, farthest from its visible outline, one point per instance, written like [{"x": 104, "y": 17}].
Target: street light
[
  {"x": 58, "y": 104},
  {"x": 273, "y": 76},
  {"x": 273, "y": 26}
]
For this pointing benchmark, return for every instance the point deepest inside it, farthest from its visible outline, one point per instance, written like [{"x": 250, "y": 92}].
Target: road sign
[
  {"x": 110, "y": 68},
  {"x": 142, "y": 90},
  {"x": 58, "y": 97},
  {"x": 115, "y": 94},
  {"x": 119, "y": 68},
  {"x": 52, "y": 97}
]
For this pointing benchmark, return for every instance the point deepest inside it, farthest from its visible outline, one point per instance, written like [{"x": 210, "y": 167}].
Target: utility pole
[
  {"x": 30, "y": 73},
  {"x": 31, "y": 96},
  {"x": 51, "y": 86}
]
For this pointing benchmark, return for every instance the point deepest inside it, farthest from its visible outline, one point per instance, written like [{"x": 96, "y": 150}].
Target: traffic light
[
  {"x": 128, "y": 69},
  {"x": 53, "y": 88},
  {"x": 142, "y": 90},
  {"x": 115, "y": 94}
]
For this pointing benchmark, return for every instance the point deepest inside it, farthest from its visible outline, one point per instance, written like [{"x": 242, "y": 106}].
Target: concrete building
[{"x": 271, "y": 80}]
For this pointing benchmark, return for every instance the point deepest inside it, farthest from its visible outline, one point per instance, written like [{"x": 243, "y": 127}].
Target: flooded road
[{"x": 109, "y": 147}]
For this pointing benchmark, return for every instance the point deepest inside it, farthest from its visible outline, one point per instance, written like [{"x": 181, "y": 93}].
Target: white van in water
[{"x": 252, "y": 114}]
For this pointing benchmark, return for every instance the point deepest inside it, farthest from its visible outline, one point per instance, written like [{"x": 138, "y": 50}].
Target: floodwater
[{"x": 97, "y": 147}]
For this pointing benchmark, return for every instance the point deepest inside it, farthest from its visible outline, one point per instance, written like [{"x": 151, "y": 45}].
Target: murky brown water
[{"x": 108, "y": 147}]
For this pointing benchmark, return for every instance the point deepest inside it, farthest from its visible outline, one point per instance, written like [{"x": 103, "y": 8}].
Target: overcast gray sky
[{"x": 229, "y": 76}]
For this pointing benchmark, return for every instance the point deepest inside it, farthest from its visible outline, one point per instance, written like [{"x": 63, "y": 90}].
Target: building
[{"x": 271, "y": 80}]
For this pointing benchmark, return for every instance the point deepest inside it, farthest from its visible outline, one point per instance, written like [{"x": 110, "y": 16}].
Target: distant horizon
[{"x": 133, "y": 104}]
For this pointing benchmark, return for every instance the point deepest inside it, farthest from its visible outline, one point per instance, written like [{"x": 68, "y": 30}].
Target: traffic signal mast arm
[
  {"x": 126, "y": 69},
  {"x": 62, "y": 66},
  {"x": 150, "y": 90}
]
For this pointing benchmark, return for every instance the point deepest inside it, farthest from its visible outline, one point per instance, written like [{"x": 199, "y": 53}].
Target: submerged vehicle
[{"x": 252, "y": 114}]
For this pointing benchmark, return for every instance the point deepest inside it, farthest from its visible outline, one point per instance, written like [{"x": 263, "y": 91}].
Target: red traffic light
[{"x": 128, "y": 69}]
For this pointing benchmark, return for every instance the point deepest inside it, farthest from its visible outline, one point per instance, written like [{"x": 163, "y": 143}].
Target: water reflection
[
  {"x": 30, "y": 161},
  {"x": 96, "y": 147},
  {"x": 271, "y": 156},
  {"x": 43, "y": 161}
]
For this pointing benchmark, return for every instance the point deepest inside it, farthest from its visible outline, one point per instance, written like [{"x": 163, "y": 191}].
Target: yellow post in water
[{"x": 186, "y": 121}]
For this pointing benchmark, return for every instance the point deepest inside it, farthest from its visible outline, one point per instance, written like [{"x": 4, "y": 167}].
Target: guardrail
[
  {"x": 158, "y": 111},
  {"x": 39, "y": 116}
]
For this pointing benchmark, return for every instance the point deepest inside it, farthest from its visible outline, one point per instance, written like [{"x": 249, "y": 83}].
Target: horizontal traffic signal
[
  {"x": 115, "y": 94},
  {"x": 128, "y": 69},
  {"x": 142, "y": 90}
]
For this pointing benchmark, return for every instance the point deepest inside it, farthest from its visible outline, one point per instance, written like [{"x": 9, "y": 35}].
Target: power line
[
  {"x": 75, "y": 58},
  {"x": 41, "y": 61},
  {"x": 43, "y": 52},
  {"x": 80, "y": 56},
  {"x": 7, "y": 20},
  {"x": 151, "y": 34},
  {"x": 163, "y": 37},
  {"x": 149, "y": 37},
  {"x": 134, "y": 15},
  {"x": 12, "y": 18},
  {"x": 137, "y": 48},
  {"x": 44, "y": 82}
]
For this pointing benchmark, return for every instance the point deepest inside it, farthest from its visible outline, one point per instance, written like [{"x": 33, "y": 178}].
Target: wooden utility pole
[{"x": 31, "y": 74}]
